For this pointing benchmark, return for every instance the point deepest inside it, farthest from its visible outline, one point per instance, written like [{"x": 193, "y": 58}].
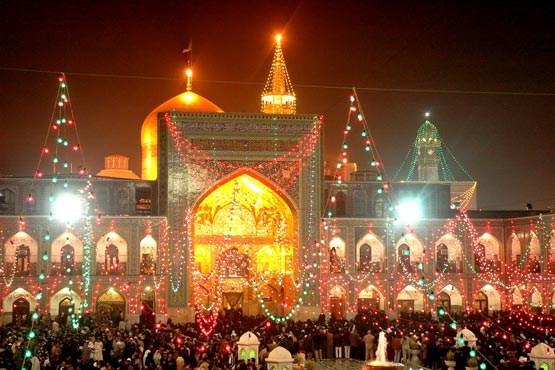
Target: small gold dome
[{"x": 184, "y": 102}]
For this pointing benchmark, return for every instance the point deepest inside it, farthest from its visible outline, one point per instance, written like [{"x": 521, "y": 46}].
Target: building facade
[{"x": 234, "y": 212}]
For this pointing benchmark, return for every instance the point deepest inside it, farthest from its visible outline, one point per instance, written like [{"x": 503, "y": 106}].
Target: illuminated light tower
[
  {"x": 427, "y": 150},
  {"x": 278, "y": 96}
]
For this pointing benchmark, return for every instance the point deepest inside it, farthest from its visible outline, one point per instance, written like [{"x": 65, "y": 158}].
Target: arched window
[
  {"x": 335, "y": 261},
  {"x": 404, "y": 258},
  {"x": 442, "y": 258},
  {"x": 111, "y": 259},
  {"x": 66, "y": 307},
  {"x": 444, "y": 300},
  {"x": 148, "y": 266},
  {"x": 481, "y": 302},
  {"x": 67, "y": 254},
  {"x": 479, "y": 257},
  {"x": 148, "y": 248},
  {"x": 22, "y": 259},
  {"x": 20, "y": 311},
  {"x": 365, "y": 259}
]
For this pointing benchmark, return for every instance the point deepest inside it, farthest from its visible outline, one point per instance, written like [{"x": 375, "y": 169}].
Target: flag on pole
[{"x": 189, "y": 48}]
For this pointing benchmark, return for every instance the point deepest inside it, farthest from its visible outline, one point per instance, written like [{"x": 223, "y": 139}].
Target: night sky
[{"x": 122, "y": 59}]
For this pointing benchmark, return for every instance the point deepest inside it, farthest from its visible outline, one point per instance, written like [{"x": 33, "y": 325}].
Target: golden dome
[{"x": 184, "y": 102}]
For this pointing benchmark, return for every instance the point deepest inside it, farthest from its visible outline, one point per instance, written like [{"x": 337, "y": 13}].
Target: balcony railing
[
  {"x": 119, "y": 269},
  {"x": 56, "y": 269}
]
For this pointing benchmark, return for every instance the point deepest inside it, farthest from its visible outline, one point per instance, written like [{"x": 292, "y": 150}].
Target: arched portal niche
[
  {"x": 410, "y": 299},
  {"x": 370, "y": 299},
  {"x": 63, "y": 300},
  {"x": 149, "y": 250},
  {"x": 245, "y": 232},
  {"x": 487, "y": 300},
  {"x": 67, "y": 255},
  {"x": 20, "y": 255},
  {"x": 337, "y": 297},
  {"x": 370, "y": 254},
  {"x": 110, "y": 304},
  {"x": 486, "y": 254},
  {"x": 450, "y": 298},
  {"x": 410, "y": 252},
  {"x": 111, "y": 254},
  {"x": 448, "y": 254}
]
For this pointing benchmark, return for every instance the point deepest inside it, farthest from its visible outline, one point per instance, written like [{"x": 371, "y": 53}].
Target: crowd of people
[{"x": 503, "y": 341}]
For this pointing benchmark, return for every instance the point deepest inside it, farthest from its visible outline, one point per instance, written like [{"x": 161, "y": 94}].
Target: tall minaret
[
  {"x": 278, "y": 96},
  {"x": 427, "y": 146}
]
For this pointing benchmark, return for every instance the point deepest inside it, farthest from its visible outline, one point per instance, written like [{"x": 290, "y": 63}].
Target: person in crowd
[
  {"x": 184, "y": 346},
  {"x": 370, "y": 346}
]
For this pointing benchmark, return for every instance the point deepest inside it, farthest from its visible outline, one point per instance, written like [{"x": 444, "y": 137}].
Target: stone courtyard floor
[{"x": 350, "y": 364}]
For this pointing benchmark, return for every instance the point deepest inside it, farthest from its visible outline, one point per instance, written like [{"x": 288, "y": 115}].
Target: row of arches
[
  {"x": 370, "y": 255},
  {"x": 110, "y": 304},
  {"x": 66, "y": 254},
  {"x": 409, "y": 299}
]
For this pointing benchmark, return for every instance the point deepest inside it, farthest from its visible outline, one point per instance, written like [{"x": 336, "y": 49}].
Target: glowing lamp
[
  {"x": 68, "y": 207},
  {"x": 408, "y": 211}
]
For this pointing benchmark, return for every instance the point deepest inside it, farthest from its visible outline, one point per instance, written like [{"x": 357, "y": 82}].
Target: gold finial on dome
[
  {"x": 278, "y": 96},
  {"x": 189, "y": 74}
]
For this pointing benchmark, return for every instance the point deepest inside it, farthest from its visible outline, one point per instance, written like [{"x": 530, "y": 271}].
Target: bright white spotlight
[
  {"x": 68, "y": 207},
  {"x": 408, "y": 211}
]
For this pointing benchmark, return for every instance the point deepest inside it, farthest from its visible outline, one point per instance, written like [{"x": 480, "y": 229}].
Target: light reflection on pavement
[{"x": 350, "y": 364}]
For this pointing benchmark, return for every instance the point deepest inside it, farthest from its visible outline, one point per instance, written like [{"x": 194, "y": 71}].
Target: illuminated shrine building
[{"x": 228, "y": 214}]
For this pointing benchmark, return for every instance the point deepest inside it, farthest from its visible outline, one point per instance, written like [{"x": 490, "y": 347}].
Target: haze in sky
[{"x": 484, "y": 71}]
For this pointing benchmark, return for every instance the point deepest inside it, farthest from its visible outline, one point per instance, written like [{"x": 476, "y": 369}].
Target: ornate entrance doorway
[
  {"x": 20, "y": 311},
  {"x": 66, "y": 307},
  {"x": 245, "y": 238},
  {"x": 148, "y": 315},
  {"x": 111, "y": 305},
  {"x": 481, "y": 302}
]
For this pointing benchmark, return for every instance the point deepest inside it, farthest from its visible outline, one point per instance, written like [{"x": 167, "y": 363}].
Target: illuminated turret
[
  {"x": 427, "y": 145},
  {"x": 278, "y": 96}
]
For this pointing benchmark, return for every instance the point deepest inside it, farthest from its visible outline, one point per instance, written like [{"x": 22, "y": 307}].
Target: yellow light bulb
[{"x": 278, "y": 38}]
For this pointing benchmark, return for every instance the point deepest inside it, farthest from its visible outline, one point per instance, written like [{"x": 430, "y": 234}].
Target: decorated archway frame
[
  {"x": 292, "y": 162},
  {"x": 299, "y": 153}
]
